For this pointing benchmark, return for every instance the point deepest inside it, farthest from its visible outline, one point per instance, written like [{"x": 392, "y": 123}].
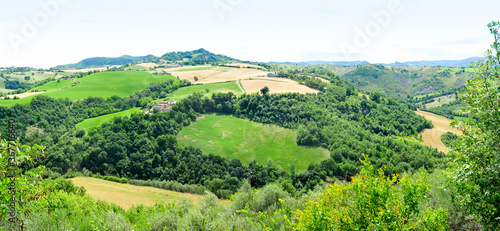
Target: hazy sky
[{"x": 45, "y": 33}]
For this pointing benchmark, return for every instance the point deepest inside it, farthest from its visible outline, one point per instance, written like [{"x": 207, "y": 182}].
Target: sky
[{"x": 46, "y": 33}]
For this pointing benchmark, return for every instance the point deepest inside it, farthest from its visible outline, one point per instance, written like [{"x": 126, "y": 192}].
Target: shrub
[{"x": 372, "y": 202}]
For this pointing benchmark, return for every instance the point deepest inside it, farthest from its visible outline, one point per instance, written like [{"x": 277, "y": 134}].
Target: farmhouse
[{"x": 162, "y": 106}]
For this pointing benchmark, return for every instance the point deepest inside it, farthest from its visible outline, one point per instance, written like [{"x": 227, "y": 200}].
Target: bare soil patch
[{"x": 432, "y": 137}]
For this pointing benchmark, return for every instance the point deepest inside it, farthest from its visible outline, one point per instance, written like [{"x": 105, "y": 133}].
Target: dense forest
[{"x": 197, "y": 57}]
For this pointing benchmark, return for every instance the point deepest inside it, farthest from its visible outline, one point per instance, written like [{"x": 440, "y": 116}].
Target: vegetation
[
  {"x": 103, "y": 61},
  {"x": 449, "y": 139},
  {"x": 225, "y": 87},
  {"x": 97, "y": 121},
  {"x": 476, "y": 160},
  {"x": 103, "y": 84},
  {"x": 249, "y": 141},
  {"x": 196, "y": 57},
  {"x": 372, "y": 202}
]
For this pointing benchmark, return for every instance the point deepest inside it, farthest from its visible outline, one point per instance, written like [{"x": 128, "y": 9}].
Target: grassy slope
[
  {"x": 213, "y": 87},
  {"x": 102, "y": 84},
  {"x": 94, "y": 122},
  {"x": 238, "y": 138},
  {"x": 137, "y": 68},
  {"x": 398, "y": 82},
  {"x": 126, "y": 195},
  {"x": 439, "y": 101},
  {"x": 54, "y": 85}
]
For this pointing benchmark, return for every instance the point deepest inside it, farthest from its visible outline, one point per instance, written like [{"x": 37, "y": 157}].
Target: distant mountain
[
  {"x": 318, "y": 62},
  {"x": 444, "y": 63},
  {"x": 200, "y": 56},
  {"x": 103, "y": 61}
]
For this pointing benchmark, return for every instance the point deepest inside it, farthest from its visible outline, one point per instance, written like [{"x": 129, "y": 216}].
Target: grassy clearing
[
  {"x": 212, "y": 87},
  {"x": 126, "y": 195},
  {"x": 439, "y": 101},
  {"x": 455, "y": 69},
  {"x": 102, "y": 84},
  {"x": 137, "y": 68},
  {"x": 97, "y": 121},
  {"x": 195, "y": 69},
  {"x": 248, "y": 141}
]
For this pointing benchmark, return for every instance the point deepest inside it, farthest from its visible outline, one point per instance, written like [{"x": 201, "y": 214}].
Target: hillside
[
  {"x": 104, "y": 61},
  {"x": 406, "y": 82},
  {"x": 248, "y": 141},
  {"x": 102, "y": 84},
  {"x": 196, "y": 57},
  {"x": 443, "y": 63}
]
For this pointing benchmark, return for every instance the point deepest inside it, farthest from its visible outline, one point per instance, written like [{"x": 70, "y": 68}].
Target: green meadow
[
  {"x": 97, "y": 121},
  {"x": 224, "y": 87},
  {"x": 137, "y": 68},
  {"x": 102, "y": 84},
  {"x": 248, "y": 141}
]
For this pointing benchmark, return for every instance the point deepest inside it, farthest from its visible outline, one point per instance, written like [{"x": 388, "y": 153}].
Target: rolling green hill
[
  {"x": 102, "y": 84},
  {"x": 248, "y": 141}
]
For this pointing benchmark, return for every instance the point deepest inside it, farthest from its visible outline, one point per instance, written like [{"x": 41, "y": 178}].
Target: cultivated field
[
  {"x": 97, "y": 121},
  {"x": 276, "y": 85},
  {"x": 248, "y": 141},
  {"x": 226, "y": 87},
  {"x": 432, "y": 137},
  {"x": 102, "y": 84},
  {"x": 217, "y": 74},
  {"x": 243, "y": 65},
  {"x": 148, "y": 65},
  {"x": 126, "y": 195}
]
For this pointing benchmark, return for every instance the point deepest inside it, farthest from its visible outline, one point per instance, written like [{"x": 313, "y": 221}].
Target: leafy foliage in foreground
[
  {"x": 476, "y": 171},
  {"x": 373, "y": 202}
]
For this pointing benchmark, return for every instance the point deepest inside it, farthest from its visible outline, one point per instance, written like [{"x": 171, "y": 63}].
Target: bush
[
  {"x": 372, "y": 202},
  {"x": 116, "y": 179}
]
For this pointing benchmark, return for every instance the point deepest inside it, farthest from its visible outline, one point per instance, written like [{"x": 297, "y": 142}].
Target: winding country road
[{"x": 432, "y": 137}]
